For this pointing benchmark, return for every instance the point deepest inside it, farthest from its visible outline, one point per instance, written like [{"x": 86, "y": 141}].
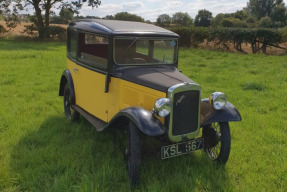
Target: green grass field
[{"x": 40, "y": 150}]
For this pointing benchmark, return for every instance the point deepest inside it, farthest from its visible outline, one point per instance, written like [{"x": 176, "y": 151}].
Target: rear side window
[
  {"x": 93, "y": 50},
  {"x": 72, "y": 43}
]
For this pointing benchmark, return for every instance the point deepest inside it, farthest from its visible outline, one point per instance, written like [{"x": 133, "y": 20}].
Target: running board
[{"x": 97, "y": 123}]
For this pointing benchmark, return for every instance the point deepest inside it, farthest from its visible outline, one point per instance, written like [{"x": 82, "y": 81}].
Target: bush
[
  {"x": 199, "y": 35},
  {"x": 283, "y": 33},
  {"x": 265, "y": 22},
  {"x": 56, "y": 32},
  {"x": 251, "y": 20},
  {"x": 227, "y": 23},
  {"x": 234, "y": 22},
  {"x": 269, "y": 37},
  {"x": 30, "y": 30},
  {"x": 185, "y": 36},
  {"x": 2, "y": 29}
]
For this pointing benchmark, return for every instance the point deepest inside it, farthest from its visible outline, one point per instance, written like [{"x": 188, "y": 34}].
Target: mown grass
[{"x": 40, "y": 150}]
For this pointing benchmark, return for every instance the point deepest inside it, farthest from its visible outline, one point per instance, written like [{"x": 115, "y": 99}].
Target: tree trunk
[
  {"x": 264, "y": 46},
  {"x": 47, "y": 17},
  {"x": 253, "y": 45},
  {"x": 40, "y": 23}
]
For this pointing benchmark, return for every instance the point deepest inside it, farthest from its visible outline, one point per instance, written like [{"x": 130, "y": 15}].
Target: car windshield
[{"x": 143, "y": 51}]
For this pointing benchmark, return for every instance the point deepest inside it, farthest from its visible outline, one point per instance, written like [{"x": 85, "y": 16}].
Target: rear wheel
[
  {"x": 69, "y": 111},
  {"x": 133, "y": 154},
  {"x": 217, "y": 141}
]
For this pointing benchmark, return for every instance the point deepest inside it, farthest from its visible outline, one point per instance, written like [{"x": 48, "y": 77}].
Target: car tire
[
  {"x": 69, "y": 111},
  {"x": 217, "y": 141},
  {"x": 133, "y": 154}
]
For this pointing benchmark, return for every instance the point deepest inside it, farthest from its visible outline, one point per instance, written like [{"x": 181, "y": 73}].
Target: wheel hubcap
[{"x": 212, "y": 140}]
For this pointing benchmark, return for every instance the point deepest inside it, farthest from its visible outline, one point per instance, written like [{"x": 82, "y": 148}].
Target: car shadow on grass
[{"x": 65, "y": 156}]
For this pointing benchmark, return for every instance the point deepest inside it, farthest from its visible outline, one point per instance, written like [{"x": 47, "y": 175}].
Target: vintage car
[{"x": 124, "y": 74}]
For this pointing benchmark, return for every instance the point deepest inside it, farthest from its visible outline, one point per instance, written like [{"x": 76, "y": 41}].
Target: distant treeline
[
  {"x": 260, "y": 24},
  {"x": 258, "y": 38}
]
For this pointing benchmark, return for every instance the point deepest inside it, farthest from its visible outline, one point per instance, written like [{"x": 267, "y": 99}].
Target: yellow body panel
[
  {"x": 90, "y": 93},
  {"x": 123, "y": 94}
]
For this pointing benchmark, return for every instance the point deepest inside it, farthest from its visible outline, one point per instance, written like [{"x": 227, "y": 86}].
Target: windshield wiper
[{"x": 134, "y": 40}]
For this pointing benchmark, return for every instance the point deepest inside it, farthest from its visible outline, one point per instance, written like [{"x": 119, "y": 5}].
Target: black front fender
[
  {"x": 210, "y": 115},
  {"x": 143, "y": 119}
]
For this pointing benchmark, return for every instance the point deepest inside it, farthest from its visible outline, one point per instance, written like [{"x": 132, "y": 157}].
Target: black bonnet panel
[{"x": 159, "y": 78}]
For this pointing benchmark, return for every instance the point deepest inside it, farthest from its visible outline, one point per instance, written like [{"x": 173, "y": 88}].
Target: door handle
[{"x": 75, "y": 70}]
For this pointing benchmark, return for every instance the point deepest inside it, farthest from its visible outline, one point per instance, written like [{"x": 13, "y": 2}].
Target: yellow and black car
[{"x": 125, "y": 73}]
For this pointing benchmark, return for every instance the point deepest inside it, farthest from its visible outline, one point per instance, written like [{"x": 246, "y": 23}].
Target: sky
[{"x": 151, "y": 9}]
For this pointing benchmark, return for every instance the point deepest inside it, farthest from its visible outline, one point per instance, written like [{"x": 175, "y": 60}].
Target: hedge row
[
  {"x": 259, "y": 38},
  {"x": 54, "y": 32},
  {"x": 191, "y": 36}
]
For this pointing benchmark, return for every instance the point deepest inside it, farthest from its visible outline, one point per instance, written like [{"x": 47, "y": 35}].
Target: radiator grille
[{"x": 185, "y": 112}]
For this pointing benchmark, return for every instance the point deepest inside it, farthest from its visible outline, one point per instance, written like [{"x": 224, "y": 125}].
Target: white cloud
[
  {"x": 155, "y": 1},
  {"x": 151, "y": 9},
  {"x": 132, "y": 5},
  {"x": 174, "y": 4},
  {"x": 111, "y": 9}
]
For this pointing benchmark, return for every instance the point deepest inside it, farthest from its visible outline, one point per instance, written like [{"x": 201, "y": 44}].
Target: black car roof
[{"x": 121, "y": 28}]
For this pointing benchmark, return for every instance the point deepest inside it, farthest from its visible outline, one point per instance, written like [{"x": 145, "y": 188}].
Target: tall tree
[
  {"x": 109, "y": 17},
  {"x": 44, "y": 6},
  {"x": 66, "y": 15},
  {"x": 261, "y": 8},
  {"x": 181, "y": 19},
  {"x": 218, "y": 19},
  {"x": 163, "y": 20},
  {"x": 242, "y": 14},
  {"x": 203, "y": 18},
  {"x": 125, "y": 16},
  {"x": 279, "y": 15}
]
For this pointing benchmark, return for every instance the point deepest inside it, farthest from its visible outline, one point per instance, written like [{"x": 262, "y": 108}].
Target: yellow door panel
[{"x": 90, "y": 90}]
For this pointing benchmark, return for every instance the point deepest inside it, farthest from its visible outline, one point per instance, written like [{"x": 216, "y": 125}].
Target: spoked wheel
[
  {"x": 217, "y": 141},
  {"x": 133, "y": 154},
  {"x": 69, "y": 111}
]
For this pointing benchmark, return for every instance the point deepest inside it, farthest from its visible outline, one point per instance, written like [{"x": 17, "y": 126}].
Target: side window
[
  {"x": 72, "y": 43},
  {"x": 93, "y": 50}
]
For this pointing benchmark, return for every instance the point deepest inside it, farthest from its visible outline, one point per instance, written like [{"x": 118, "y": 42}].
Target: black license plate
[{"x": 181, "y": 148}]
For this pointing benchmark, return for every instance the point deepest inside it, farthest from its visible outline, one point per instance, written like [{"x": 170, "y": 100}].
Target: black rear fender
[{"x": 66, "y": 78}]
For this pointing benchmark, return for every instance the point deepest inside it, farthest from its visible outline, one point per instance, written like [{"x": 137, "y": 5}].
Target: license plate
[{"x": 181, "y": 148}]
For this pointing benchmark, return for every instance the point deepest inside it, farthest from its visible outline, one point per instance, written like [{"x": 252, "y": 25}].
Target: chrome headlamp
[
  {"x": 217, "y": 100},
  {"x": 162, "y": 107}
]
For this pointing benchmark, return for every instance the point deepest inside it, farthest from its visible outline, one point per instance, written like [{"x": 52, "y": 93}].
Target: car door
[{"x": 90, "y": 73}]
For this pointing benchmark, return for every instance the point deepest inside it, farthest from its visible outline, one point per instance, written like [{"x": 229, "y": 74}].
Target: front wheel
[
  {"x": 217, "y": 141},
  {"x": 133, "y": 154}
]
